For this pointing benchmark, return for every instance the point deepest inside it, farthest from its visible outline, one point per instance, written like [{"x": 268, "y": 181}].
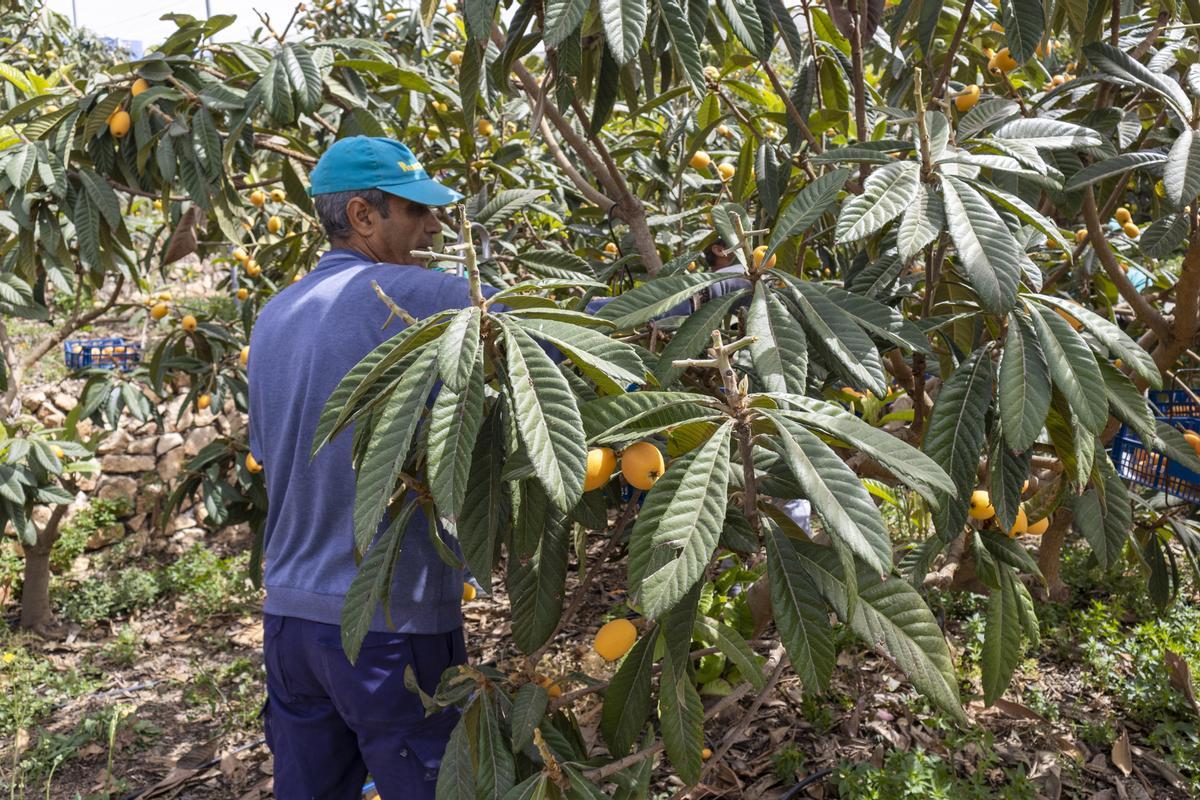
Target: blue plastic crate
[
  {"x": 110, "y": 353},
  {"x": 1174, "y": 403},
  {"x": 1137, "y": 464}
]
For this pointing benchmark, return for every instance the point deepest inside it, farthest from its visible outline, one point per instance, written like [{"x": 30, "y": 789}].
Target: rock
[
  {"x": 148, "y": 498},
  {"x": 170, "y": 465},
  {"x": 65, "y": 401},
  {"x": 181, "y": 522},
  {"x": 111, "y": 487},
  {"x": 143, "y": 446},
  {"x": 198, "y": 439},
  {"x": 185, "y": 540},
  {"x": 145, "y": 429},
  {"x": 168, "y": 442},
  {"x": 137, "y": 521},
  {"x": 54, "y": 419},
  {"x": 34, "y": 400},
  {"x": 106, "y": 536},
  {"x": 126, "y": 463},
  {"x": 115, "y": 442},
  {"x": 85, "y": 428}
]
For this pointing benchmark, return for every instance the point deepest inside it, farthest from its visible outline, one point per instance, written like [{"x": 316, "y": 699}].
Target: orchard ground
[{"x": 154, "y": 678}]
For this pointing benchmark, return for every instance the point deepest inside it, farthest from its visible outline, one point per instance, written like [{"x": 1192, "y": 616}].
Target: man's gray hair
[{"x": 331, "y": 209}]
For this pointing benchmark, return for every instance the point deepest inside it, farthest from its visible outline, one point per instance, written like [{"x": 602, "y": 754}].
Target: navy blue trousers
[{"x": 329, "y": 722}]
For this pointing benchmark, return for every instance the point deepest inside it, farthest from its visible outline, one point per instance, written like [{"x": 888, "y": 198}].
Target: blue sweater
[{"x": 305, "y": 340}]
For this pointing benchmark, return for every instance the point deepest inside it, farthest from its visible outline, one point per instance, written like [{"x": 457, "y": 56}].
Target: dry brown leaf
[
  {"x": 1181, "y": 677},
  {"x": 1017, "y": 710},
  {"x": 183, "y": 239},
  {"x": 1168, "y": 772},
  {"x": 1122, "y": 758}
]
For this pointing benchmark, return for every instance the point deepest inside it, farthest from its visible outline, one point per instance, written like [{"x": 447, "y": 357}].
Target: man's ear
[{"x": 361, "y": 216}]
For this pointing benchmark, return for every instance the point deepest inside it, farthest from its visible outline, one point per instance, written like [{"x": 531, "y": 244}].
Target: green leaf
[
  {"x": 733, "y": 645},
  {"x": 683, "y": 43},
  {"x": 887, "y": 192},
  {"x": 610, "y": 364},
  {"x": 806, "y": 207},
  {"x": 781, "y": 351},
  {"x": 458, "y": 349},
  {"x": 1127, "y": 403},
  {"x": 1118, "y": 342},
  {"x": 679, "y": 526},
  {"x": 537, "y": 574},
  {"x": 1024, "y": 24},
  {"x": 912, "y": 467},
  {"x": 1105, "y": 520},
  {"x": 505, "y": 203},
  {"x": 1160, "y": 238},
  {"x": 546, "y": 415},
  {"x": 1002, "y": 649},
  {"x": 1007, "y": 473},
  {"x": 627, "y": 699},
  {"x": 1093, "y": 173},
  {"x": 655, "y": 297},
  {"x": 989, "y": 254},
  {"x": 1049, "y": 134},
  {"x": 1072, "y": 369},
  {"x": 883, "y": 321},
  {"x": 562, "y": 17},
  {"x": 389, "y": 447},
  {"x": 1024, "y": 212},
  {"x": 371, "y": 583},
  {"x": 495, "y": 772},
  {"x": 1181, "y": 176},
  {"x": 800, "y": 614},
  {"x": 1024, "y": 390},
  {"x": 955, "y": 436},
  {"x": 890, "y": 616},
  {"x": 681, "y": 721},
  {"x": 555, "y": 264},
  {"x": 1007, "y": 550},
  {"x": 1176, "y": 447},
  {"x": 694, "y": 336},
  {"x": 485, "y": 508},
  {"x": 528, "y": 709},
  {"x": 837, "y": 495},
  {"x": 454, "y": 423},
  {"x": 843, "y": 345},
  {"x": 636, "y": 415},
  {"x": 624, "y": 27},
  {"x": 746, "y": 25},
  {"x": 920, "y": 223},
  {"x": 1117, "y": 64},
  {"x": 102, "y": 196}
]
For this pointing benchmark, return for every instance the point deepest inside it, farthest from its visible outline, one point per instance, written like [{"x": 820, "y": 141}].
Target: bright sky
[{"x": 139, "y": 19}]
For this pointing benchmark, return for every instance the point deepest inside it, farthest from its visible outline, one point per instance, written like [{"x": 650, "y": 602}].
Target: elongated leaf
[
  {"x": 837, "y": 495},
  {"x": 807, "y": 206},
  {"x": 546, "y": 416},
  {"x": 1049, "y": 134},
  {"x": 891, "y": 616},
  {"x": 887, "y": 192},
  {"x": 1024, "y": 390},
  {"x": 956, "y": 433},
  {"x": 1127, "y": 403},
  {"x": 679, "y": 526},
  {"x": 528, "y": 709},
  {"x": 920, "y": 223},
  {"x": 655, "y": 297},
  {"x": 556, "y": 264},
  {"x": 1162, "y": 236},
  {"x": 989, "y": 254},
  {"x": 627, "y": 699},
  {"x": 1007, "y": 473},
  {"x": 1105, "y": 520},
  {"x": 456, "y": 775},
  {"x": 561, "y": 19},
  {"x": 485, "y": 507},
  {"x": 1117, "y": 64},
  {"x": 781, "y": 351},
  {"x": 683, "y": 43},
  {"x": 1002, "y": 649},
  {"x": 1072, "y": 369},
  {"x": 1109, "y": 167},
  {"x": 371, "y": 583},
  {"x": 1024, "y": 24},
  {"x": 611, "y": 364},
  {"x": 1181, "y": 178},
  {"x": 537, "y": 575},
  {"x": 453, "y": 425},
  {"x": 389, "y": 447},
  {"x": 746, "y": 25},
  {"x": 694, "y": 336},
  {"x": 458, "y": 348},
  {"x": 1118, "y": 342},
  {"x": 506, "y": 203},
  {"x": 733, "y": 645},
  {"x": 914, "y": 468},
  {"x": 871, "y": 315},
  {"x": 624, "y": 27},
  {"x": 681, "y": 720},
  {"x": 608, "y": 418},
  {"x": 495, "y": 772},
  {"x": 799, "y": 613},
  {"x": 1026, "y": 213},
  {"x": 843, "y": 345}
]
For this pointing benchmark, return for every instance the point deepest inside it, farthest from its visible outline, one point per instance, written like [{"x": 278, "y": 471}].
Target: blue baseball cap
[{"x": 375, "y": 162}]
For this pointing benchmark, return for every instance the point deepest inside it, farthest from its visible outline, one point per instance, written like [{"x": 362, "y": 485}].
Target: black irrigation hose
[
  {"x": 811, "y": 779},
  {"x": 212, "y": 762}
]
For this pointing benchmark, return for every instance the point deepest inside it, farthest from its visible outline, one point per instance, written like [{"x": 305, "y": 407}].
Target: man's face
[{"x": 409, "y": 226}]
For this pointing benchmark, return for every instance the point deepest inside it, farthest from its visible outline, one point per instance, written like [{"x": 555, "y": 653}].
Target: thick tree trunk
[{"x": 35, "y": 592}]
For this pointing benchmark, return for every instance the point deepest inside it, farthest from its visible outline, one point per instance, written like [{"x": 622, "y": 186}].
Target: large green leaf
[
  {"x": 683, "y": 42},
  {"x": 537, "y": 574},
  {"x": 458, "y": 347},
  {"x": 679, "y": 526},
  {"x": 746, "y": 25},
  {"x": 1024, "y": 24},
  {"x": 495, "y": 771},
  {"x": 694, "y": 336},
  {"x": 562, "y": 17},
  {"x": 1026, "y": 213},
  {"x": 1024, "y": 390},
  {"x": 1181, "y": 176},
  {"x": 456, "y": 776},
  {"x": 1160, "y": 238},
  {"x": 1002, "y": 649},
  {"x": 732, "y": 644},
  {"x": 799, "y": 613},
  {"x": 1105, "y": 520},
  {"x": 1117, "y": 64},
  {"x": 611, "y": 364},
  {"x": 956, "y": 434},
  {"x": 485, "y": 508},
  {"x": 887, "y": 192},
  {"x": 389, "y": 447},
  {"x": 655, "y": 297},
  {"x": 528, "y": 709},
  {"x": 627, "y": 698},
  {"x": 889, "y": 615},
  {"x": 624, "y": 27},
  {"x": 505, "y": 203},
  {"x": 838, "y": 497},
  {"x": 920, "y": 223},
  {"x": 1127, "y": 403},
  {"x": 1118, "y": 342},
  {"x": 1049, "y": 134},
  {"x": 989, "y": 254},
  {"x": 681, "y": 720},
  {"x": 876, "y": 318},
  {"x": 1109, "y": 167},
  {"x": 635, "y": 415},
  {"x": 454, "y": 423},
  {"x": 371, "y": 583},
  {"x": 1072, "y": 368},
  {"x": 780, "y": 352},
  {"x": 807, "y": 206},
  {"x": 546, "y": 416},
  {"x": 845, "y": 348}
]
